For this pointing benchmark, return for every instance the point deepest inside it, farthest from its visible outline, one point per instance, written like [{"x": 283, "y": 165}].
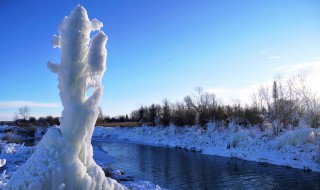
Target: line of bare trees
[
  {"x": 199, "y": 108},
  {"x": 289, "y": 103},
  {"x": 23, "y": 118},
  {"x": 283, "y": 104}
]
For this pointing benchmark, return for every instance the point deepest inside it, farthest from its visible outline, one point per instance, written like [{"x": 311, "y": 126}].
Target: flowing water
[{"x": 182, "y": 169}]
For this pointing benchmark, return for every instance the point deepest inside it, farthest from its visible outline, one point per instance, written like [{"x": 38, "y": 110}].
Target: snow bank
[{"x": 297, "y": 149}]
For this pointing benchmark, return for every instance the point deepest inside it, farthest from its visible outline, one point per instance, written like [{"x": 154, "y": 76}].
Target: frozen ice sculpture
[{"x": 63, "y": 159}]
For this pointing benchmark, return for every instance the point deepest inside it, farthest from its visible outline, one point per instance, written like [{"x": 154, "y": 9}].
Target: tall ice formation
[{"x": 64, "y": 157}]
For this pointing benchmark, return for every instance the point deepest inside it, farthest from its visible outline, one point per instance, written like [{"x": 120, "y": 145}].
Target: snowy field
[{"x": 297, "y": 149}]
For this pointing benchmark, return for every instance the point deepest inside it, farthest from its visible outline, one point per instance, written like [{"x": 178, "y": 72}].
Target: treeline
[
  {"x": 283, "y": 104},
  {"x": 41, "y": 121},
  {"x": 107, "y": 119},
  {"x": 288, "y": 103},
  {"x": 199, "y": 108},
  {"x": 116, "y": 119},
  {"x": 22, "y": 119}
]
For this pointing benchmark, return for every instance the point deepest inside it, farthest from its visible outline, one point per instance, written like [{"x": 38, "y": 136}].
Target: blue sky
[{"x": 158, "y": 49}]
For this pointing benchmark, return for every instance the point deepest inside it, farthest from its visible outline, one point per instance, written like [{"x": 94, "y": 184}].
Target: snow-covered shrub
[
  {"x": 299, "y": 136},
  {"x": 27, "y": 131},
  {"x": 211, "y": 127},
  {"x": 236, "y": 138},
  {"x": 276, "y": 126},
  {"x": 233, "y": 127},
  {"x": 8, "y": 149},
  {"x": 172, "y": 130}
]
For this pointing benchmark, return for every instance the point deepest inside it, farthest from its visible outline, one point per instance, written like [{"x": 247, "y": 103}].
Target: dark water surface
[{"x": 182, "y": 169}]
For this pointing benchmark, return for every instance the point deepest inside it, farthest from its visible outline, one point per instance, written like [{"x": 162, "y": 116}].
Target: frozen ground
[
  {"x": 297, "y": 149},
  {"x": 13, "y": 155}
]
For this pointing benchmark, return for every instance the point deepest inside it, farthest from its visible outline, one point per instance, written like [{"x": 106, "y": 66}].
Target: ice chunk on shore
[
  {"x": 8, "y": 149},
  {"x": 2, "y": 162}
]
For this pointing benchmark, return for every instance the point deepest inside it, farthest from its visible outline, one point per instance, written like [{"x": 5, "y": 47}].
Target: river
[{"x": 182, "y": 169}]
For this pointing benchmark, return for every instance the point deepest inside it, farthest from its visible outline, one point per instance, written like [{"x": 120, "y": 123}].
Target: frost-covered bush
[
  {"x": 211, "y": 127},
  {"x": 297, "y": 137},
  {"x": 236, "y": 138},
  {"x": 8, "y": 149},
  {"x": 233, "y": 127},
  {"x": 171, "y": 130}
]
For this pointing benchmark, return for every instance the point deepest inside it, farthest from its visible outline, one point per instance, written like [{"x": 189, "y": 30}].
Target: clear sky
[{"x": 159, "y": 49}]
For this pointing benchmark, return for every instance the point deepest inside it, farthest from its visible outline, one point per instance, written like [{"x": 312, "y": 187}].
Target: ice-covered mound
[
  {"x": 64, "y": 157},
  {"x": 55, "y": 165},
  {"x": 2, "y": 162}
]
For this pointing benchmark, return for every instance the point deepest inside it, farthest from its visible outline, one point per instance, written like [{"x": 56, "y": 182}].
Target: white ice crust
[{"x": 64, "y": 157}]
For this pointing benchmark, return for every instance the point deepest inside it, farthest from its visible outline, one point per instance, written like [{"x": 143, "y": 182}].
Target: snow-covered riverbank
[{"x": 297, "y": 149}]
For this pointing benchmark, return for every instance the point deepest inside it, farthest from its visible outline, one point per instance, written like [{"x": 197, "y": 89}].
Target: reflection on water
[{"x": 182, "y": 169}]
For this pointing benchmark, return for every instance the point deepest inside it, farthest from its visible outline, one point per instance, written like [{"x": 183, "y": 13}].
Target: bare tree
[
  {"x": 310, "y": 102},
  {"x": 205, "y": 105},
  {"x": 16, "y": 116},
  {"x": 166, "y": 117},
  {"x": 24, "y": 112},
  {"x": 100, "y": 116}
]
